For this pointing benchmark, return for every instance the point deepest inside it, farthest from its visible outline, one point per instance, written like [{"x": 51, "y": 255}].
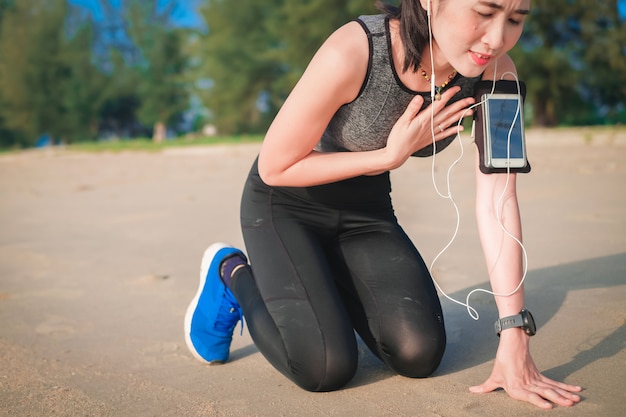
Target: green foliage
[
  {"x": 8, "y": 137},
  {"x": 83, "y": 88},
  {"x": 303, "y": 27},
  {"x": 161, "y": 86},
  {"x": 234, "y": 59},
  {"x": 75, "y": 79},
  {"x": 255, "y": 51},
  {"x": 119, "y": 108},
  {"x": 5, "y": 5},
  {"x": 573, "y": 59},
  {"x": 50, "y": 84},
  {"x": 47, "y": 81}
]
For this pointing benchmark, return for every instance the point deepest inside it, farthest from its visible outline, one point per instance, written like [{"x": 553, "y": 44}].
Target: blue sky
[{"x": 185, "y": 15}]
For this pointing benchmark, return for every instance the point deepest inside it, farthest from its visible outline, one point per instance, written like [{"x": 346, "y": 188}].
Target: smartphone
[{"x": 503, "y": 131}]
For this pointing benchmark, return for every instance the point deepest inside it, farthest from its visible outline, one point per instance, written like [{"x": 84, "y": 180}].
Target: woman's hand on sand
[{"x": 514, "y": 370}]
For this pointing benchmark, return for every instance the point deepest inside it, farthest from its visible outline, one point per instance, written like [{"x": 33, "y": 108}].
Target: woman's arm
[
  {"x": 497, "y": 208},
  {"x": 333, "y": 78},
  {"x": 503, "y": 255}
]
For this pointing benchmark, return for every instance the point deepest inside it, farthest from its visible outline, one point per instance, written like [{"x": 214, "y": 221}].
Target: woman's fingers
[
  {"x": 556, "y": 396},
  {"x": 558, "y": 392},
  {"x": 444, "y": 119},
  {"x": 413, "y": 109},
  {"x": 538, "y": 390}
]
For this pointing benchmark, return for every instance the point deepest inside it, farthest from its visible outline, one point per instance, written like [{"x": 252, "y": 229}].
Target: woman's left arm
[{"x": 514, "y": 369}]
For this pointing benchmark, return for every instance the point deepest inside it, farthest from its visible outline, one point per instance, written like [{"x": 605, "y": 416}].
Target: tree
[
  {"x": 118, "y": 115},
  {"x": 603, "y": 33},
  {"x": 162, "y": 91},
  {"x": 8, "y": 137},
  {"x": 83, "y": 85},
  {"x": 255, "y": 51},
  {"x": 29, "y": 65},
  {"x": 4, "y": 6},
  {"x": 234, "y": 64},
  {"x": 47, "y": 80},
  {"x": 572, "y": 57},
  {"x": 303, "y": 27}
]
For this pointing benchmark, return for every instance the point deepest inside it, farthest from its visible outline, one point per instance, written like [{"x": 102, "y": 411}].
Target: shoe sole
[{"x": 207, "y": 258}]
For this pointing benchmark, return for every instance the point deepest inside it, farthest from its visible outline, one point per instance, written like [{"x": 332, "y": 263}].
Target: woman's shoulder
[
  {"x": 353, "y": 36},
  {"x": 346, "y": 48},
  {"x": 350, "y": 35},
  {"x": 335, "y": 73}
]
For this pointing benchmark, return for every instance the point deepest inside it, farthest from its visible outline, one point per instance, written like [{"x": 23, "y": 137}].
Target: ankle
[{"x": 229, "y": 266}]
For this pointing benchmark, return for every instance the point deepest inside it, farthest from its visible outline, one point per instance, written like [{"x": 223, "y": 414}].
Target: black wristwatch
[{"x": 524, "y": 320}]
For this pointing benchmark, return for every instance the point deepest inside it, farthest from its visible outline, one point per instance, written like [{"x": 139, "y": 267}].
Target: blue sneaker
[{"x": 214, "y": 312}]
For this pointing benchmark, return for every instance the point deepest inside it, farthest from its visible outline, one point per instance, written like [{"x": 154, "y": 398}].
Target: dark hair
[{"x": 413, "y": 29}]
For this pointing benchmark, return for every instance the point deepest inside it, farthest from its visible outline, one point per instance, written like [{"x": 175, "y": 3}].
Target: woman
[{"x": 327, "y": 255}]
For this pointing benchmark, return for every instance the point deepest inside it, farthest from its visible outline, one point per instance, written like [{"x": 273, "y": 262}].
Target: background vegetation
[{"x": 67, "y": 76}]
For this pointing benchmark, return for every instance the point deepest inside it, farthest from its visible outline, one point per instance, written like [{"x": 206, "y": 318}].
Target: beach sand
[{"x": 100, "y": 253}]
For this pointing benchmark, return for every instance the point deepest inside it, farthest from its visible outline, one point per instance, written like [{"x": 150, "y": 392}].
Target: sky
[{"x": 185, "y": 15}]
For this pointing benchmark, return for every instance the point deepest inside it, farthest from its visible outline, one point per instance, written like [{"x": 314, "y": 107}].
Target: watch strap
[{"x": 508, "y": 323}]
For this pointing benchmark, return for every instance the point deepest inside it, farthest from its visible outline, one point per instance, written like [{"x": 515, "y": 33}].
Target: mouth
[{"x": 480, "y": 59}]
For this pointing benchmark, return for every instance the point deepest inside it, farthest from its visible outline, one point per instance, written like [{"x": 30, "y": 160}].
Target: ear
[{"x": 425, "y": 4}]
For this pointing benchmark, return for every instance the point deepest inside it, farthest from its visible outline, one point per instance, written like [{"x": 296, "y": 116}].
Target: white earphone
[{"x": 448, "y": 195}]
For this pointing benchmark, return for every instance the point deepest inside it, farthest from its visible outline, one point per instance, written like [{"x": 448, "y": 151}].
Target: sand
[{"x": 99, "y": 257}]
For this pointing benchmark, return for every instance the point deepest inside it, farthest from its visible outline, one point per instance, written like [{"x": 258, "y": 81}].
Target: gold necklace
[{"x": 438, "y": 90}]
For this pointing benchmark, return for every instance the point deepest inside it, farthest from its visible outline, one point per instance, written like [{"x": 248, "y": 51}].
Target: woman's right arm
[{"x": 334, "y": 77}]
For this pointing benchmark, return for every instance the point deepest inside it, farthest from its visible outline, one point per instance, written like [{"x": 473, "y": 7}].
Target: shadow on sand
[{"x": 471, "y": 343}]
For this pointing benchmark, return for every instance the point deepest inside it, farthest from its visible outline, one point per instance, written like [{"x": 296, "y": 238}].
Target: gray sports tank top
[{"x": 364, "y": 124}]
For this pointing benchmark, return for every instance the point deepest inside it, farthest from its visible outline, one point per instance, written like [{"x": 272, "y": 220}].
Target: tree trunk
[
  {"x": 160, "y": 132},
  {"x": 545, "y": 113}
]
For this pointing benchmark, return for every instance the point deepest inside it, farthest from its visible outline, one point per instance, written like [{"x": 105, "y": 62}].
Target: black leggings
[{"x": 326, "y": 261}]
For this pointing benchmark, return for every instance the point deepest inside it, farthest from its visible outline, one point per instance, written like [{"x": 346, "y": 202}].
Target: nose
[{"x": 494, "y": 35}]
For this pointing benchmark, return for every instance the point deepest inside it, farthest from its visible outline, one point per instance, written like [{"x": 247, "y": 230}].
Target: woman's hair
[{"x": 413, "y": 29}]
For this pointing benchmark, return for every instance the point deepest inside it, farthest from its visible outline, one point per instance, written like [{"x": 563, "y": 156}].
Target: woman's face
[{"x": 472, "y": 33}]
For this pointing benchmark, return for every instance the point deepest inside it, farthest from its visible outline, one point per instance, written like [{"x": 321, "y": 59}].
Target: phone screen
[{"x": 502, "y": 113}]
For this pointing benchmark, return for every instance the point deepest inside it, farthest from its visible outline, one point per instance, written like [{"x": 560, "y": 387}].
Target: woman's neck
[{"x": 414, "y": 79}]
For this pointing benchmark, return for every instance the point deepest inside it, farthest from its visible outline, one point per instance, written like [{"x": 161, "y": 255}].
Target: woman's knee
[
  {"x": 335, "y": 373},
  {"x": 417, "y": 357}
]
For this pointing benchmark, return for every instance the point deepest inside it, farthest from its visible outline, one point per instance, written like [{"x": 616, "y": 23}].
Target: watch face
[{"x": 529, "y": 322}]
